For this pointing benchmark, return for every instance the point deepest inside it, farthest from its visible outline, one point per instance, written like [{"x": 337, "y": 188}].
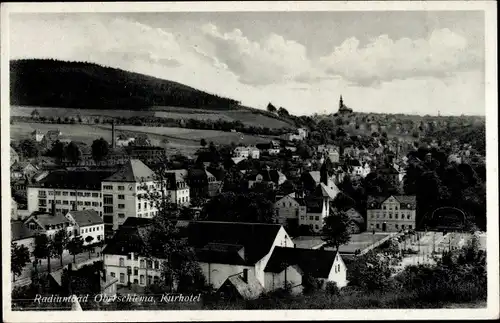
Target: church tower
[{"x": 341, "y": 102}]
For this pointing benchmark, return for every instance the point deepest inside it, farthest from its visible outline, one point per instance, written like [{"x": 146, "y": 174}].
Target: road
[{"x": 55, "y": 264}]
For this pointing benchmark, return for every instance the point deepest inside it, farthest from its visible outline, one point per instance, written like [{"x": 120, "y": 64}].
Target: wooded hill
[{"x": 82, "y": 85}]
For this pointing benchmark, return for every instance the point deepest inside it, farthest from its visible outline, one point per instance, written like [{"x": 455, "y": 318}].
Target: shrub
[{"x": 332, "y": 288}]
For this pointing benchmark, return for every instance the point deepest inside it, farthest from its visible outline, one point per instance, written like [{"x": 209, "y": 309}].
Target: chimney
[
  {"x": 113, "y": 134},
  {"x": 245, "y": 275}
]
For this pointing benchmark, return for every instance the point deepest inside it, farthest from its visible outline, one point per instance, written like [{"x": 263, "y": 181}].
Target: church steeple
[{"x": 341, "y": 102}]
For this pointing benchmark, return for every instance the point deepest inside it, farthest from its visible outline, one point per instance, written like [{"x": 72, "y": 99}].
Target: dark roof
[
  {"x": 48, "y": 219},
  {"x": 134, "y": 171},
  {"x": 387, "y": 171},
  {"x": 221, "y": 253},
  {"x": 86, "y": 217},
  {"x": 353, "y": 162},
  {"x": 314, "y": 205},
  {"x": 20, "y": 231},
  {"x": 127, "y": 239},
  {"x": 315, "y": 262},
  {"x": 174, "y": 177},
  {"x": 134, "y": 222},
  {"x": 255, "y": 238},
  {"x": 271, "y": 175},
  {"x": 374, "y": 202},
  {"x": 83, "y": 180}
]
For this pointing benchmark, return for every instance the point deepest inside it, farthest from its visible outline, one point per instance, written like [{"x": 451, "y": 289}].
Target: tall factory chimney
[{"x": 113, "y": 134}]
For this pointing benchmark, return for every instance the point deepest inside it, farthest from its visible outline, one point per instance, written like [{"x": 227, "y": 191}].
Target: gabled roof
[
  {"x": 406, "y": 201},
  {"x": 86, "y": 217},
  {"x": 247, "y": 290},
  {"x": 19, "y": 231},
  {"x": 134, "y": 171},
  {"x": 271, "y": 175},
  {"x": 256, "y": 238},
  {"x": 315, "y": 262},
  {"x": 325, "y": 191},
  {"x": 45, "y": 219},
  {"x": 174, "y": 177}
]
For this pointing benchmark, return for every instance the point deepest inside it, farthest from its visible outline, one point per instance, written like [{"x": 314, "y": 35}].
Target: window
[
  {"x": 95, "y": 194},
  {"x": 65, "y": 202},
  {"x": 142, "y": 280},
  {"x": 135, "y": 256},
  {"x": 390, "y": 216},
  {"x": 87, "y": 203},
  {"x": 397, "y": 226},
  {"x": 408, "y": 216},
  {"x": 396, "y": 216},
  {"x": 136, "y": 281},
  {"x": 42, "y": 193},
  {"x": 139, "y": 206},
  {"x": 87, "y": 194},
  {"x": 122, "y": 262},
  {"x": 65, "y": 193},
  {"x": 121, "y": 206},
  {"x": 72, "y": 194},
  {"x": 157, "y": 264},
  {"x": 146, "y": 214},
  {"x": 121, "y": 215},
  {"x": 80, "y": 203},
  {"x": 95, "y": 203},
  {"x": 403, "y": 226},
  {"x": 112, "y": 274},
  {"x": 122, "y": 278},
  {"x": 80, "y": 193},
  {"x": 311, "y": 217},
  {"x": 107, "y": 187},
  {"x": 108, "y": 199},
  {"x": 121, "y": 197},
  {"x": 136, "y": 271},
  {"x": 42, "y": 209},
  {"x": 42, "y": 202},
  {"x": 377, "y": 226},
  {"x": 108, "y": 209},
  {"x": 129, "y": 256},
  {"x": 302, "y": 217},
  {"x": 145, "y": 205},
  {"x": 121, "y": 188},
  {"x": 51, "y": 193},
  {"x": 317, "y": 218},
  {"x": 142, "y": 263},
  {"x": 149, "y": 264},
  {"x": 58, "y": 201},
  {"x": 410, "y": 227}
]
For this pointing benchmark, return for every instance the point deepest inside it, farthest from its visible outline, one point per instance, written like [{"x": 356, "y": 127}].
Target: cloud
[
  {"x": 272, "y": 60},
  {"x": 382, "y": 59}
]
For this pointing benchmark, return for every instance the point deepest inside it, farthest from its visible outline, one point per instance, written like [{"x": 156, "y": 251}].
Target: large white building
[
  {"x": 124, "y": 194},
  {"x": 68, "y": 190},
  {"x": 177, "y": 186},
  {"x": 247, "y": 152}
]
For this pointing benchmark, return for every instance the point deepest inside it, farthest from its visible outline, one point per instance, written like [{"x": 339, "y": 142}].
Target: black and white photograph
[{"x": 209, "y": 159}]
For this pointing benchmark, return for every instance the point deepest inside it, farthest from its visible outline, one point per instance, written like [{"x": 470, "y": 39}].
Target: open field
[
  {"x": 358, "y": 241},
  {"x": 245, "y": 116},
  {"x": 174, "y": 140}
]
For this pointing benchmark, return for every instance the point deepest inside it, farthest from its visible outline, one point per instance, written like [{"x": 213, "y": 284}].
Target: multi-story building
[
  {"x": 124, "y": 194},
  {"x": 391, "y": 214},
  {"x": 177, "y": 186},
  {"x": 247, "y": 152},
  {"x": 147, "y": 154},
  {"x": 203, "y": 184},
  {"x": 69, "y": 190},
  {"x": 87, "y": 223},
  {"x": 49, "y": 223},
  {"x": 270, "y": 177},
  {"x": 289, "y": 209}
]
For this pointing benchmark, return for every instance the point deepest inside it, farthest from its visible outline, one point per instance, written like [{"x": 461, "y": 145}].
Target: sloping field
[{"x": 245, "y": 116}]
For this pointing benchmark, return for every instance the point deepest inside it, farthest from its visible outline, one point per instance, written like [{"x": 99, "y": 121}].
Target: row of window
[
  {"x": 311, "y": 218},
  {"x": 88, "y": 230},
  {"x": 42, "y": 193},
  {"x": 396, "y": 215},
  {"x": 43, "y": 202},
  {"x": 149, "y": 264},
  {"x": 151, "y": 279},
  {"x": 378, "y": 226}
]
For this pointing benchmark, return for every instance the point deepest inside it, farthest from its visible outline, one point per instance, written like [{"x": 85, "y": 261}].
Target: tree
[
  {"x": 59, "y": 243},
  {"x": 57, "y": 150},
  {"x": 271, "y": 108},
  {"x": 100, "y": 149},
  {"x": 336, "y": 230},
  {"x": 73, "y": 152},
  {"x": 35, "y": 114},
  {"x": 20, "y": 257},
  {"x": 75, "y": 247},
  {"x": 89, "y": 240},
  {"x": 283, "y": 112},
  {"x": 43, "y": 248},
  {"x": 29, "y": 148},
  {"x": 240, "y": 207},
  {"x": 370, "y": 272},
  {"x": 203, "y": 142}
]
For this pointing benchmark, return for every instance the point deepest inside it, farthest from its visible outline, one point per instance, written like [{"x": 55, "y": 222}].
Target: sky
[{"x": 412, "y": 62}]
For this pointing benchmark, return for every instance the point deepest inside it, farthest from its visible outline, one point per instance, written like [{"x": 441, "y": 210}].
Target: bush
[{"x": 332, "y": 288}]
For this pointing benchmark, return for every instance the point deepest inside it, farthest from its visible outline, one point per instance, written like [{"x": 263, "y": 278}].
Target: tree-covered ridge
[{"x": 53, "y": 83}]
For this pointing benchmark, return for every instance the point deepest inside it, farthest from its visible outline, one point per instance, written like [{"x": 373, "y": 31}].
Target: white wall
[
  {"x": 338, "y": 273},
  {"x": 274, "y": 281},
  {"x": 112, "y": 266},
  {"x": 89, "y": 199}
]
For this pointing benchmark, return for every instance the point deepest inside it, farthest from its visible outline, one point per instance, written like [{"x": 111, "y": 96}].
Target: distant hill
[{"x": 81, "y": 85}]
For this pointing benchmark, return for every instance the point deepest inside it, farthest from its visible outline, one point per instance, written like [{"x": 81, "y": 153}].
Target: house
[
  {"x": 36, "y": 135},
  {"x": 177, "y": 186},
  {"x": 271, "y": 177},
  {"x": 49, "y": 223},
  {"x": 289, "y": 209},
  {"x": 355, "y": 167},
  {"x": 312, "y": 179},
  {"x": 21, "y": 170},
  {"x": 124, "y": 194},
  {"x": 247, "y": 152},
  {"x": 224, "y": 249},
  {"x": 147, "y": 154},
  {"x": 391, "y": 214},
  {"x": 123, "y": 141},
  {"x": 87, "y": 223},
  {"x": 390, "y": 174},
  {"x": 333, "y": 154},
  {"x": 202, "y": 183},
  {"x": 116, "y": 156},
  {"x": 291, "y": 265},
  {"x": 22, "y": 235},
  {"x": 69, "y": 190},
  {"x": 357, "y": 222},
  {"x": 123, "y": 258},
  {"x": 14, "y": 156},
  {"x": 318, "y": 207}
]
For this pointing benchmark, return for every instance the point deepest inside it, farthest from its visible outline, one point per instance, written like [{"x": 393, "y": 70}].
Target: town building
[
  {"x": 87, "y": 223},
  {"x": 317, "y": 207},
  {"x": 146, "y": 154},
  {"x": 14, "y": 156},
  {"x": 21, "y": 170},
  {"x": 69, "y": 190},
  {"x": 37, "y": 135},
  {"x": 357, "y": 222},
  {"x": 22, "y": 235},
  {"x": 247, "y": 152},
  {"x": 271, "y": 177},
  {"x": 50, "y": 138},
  {"x": 289, "y": 209},
  {"x": 343, "y": 109},
  {"x": 124, "y": 194},
  {"x": 391, "y": 214},
  {"x": 177, "y": 186},
  {"x": 202, "y": 183},
  {"x": 49, "y": 223}
]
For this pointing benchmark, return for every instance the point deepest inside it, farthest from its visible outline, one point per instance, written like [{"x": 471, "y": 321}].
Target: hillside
[{"x": 52, "y": 83}]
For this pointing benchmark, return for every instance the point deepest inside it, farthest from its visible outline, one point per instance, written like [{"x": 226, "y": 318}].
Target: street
[{"x": 55, "y": 264}]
